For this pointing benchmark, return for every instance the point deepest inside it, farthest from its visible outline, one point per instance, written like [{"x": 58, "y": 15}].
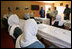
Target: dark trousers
[
  {"x": 50, "y": 17},
  {"x": 67, "y": 17}
]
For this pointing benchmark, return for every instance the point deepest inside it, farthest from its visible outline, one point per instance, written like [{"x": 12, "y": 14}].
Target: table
[
  {"x": 59, "y": 37},
  {"x": 43, "y": 20},
  {"x": 67, "y": 23}
]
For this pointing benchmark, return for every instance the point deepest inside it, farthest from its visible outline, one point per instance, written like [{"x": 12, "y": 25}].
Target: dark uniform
[{"x": 67, "y": 12}]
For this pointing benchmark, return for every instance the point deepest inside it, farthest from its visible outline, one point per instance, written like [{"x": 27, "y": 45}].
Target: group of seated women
[{"x": 26, "y": 38}]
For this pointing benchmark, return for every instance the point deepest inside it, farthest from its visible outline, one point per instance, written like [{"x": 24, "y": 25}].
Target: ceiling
[{"x": 47, "y": 1}]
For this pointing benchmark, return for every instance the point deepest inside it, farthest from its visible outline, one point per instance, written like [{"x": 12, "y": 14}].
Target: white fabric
[
  {"x": 9, "y": 28},
  {"x": 13, "y": 19},
  {"x": 12, "y": 30},
  {"x": 30, "y": 31},
  {"x": 58, "y": 18},
  {"x": 60, "y": 37},
  {"x": 43, "y": 20},
  {"x": 21, "y": 24},
  {"x": 17, "y": 45}
]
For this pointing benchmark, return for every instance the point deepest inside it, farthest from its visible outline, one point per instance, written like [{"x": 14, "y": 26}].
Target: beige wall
[
  {"x": 21, "y": 4},
  {"x": 57, "y": 3}
]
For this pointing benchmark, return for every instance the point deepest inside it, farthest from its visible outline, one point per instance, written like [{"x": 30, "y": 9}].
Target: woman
[
  {"x": 32, "y": 15},
  {"x": 28, "y": 38},
  {"x": 54, "y": 13},
  {"x": 14, "y": 27},
  {"x": 57, "y": 22}
]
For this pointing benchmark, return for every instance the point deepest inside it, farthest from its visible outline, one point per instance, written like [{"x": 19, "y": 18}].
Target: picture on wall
[{"x": 34, "y": 7}]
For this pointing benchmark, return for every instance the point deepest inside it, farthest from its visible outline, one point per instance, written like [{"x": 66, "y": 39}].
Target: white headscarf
[
  {"x": 58, "y": 18},
  {"x": 13, "y": 19},
  {"x": 30, "y": 31},
  {"x": 13, "y": 22},
  {"x": 26, "y": 16},
  {"x": 30, "y": 27},
  {"x": 11, "y": 31}
]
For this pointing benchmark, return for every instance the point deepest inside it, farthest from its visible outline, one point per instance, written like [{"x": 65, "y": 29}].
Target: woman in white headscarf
[
  {"x": 5, "y": 20},
  {"x": 58, "y": 22},
  {"x": 28, "y": 38},
  {"x": 32, "y": 15},
  {"x": 14, "y": 27},
  {"x": 26, "y": 15}
]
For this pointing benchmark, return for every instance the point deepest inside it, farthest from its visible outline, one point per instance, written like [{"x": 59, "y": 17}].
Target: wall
[
  {"x": 57, "y": 3},
  {"x": 21, "y": 4}
]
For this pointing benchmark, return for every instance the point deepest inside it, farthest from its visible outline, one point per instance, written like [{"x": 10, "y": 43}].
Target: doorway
[
  {"x": 46, "y": 9},
  {"x": 60, "y": 10}
]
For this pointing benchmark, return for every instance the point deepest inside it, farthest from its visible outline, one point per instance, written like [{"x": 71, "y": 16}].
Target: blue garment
[
  {"x": 42, "y": 13},
  {"x": 36, "y": 45},
  {"x": 67, "y": 17},
  {"x": 52, "y": 46}
]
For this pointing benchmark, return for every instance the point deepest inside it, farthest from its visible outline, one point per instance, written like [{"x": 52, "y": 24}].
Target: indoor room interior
[{"x": 41, "y": 17}]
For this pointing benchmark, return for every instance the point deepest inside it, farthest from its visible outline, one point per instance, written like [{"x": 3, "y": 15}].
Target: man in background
[
  {"x": 67, "y": 12},
  {"x": 42, "y": 13},
  {"x": 49, "y": 15},
  {"x": 54, "y": 13}
]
